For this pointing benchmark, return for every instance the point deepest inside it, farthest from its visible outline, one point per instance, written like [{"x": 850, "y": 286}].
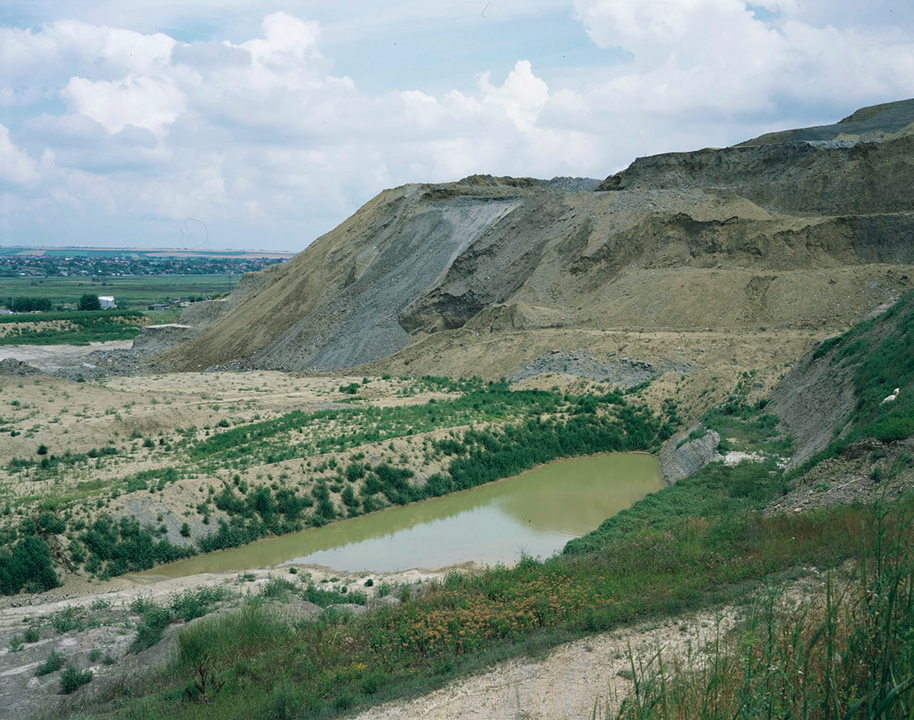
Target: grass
[
  {"x": 133, "y": 292},
  {"x": 847, "y": 654},
  {"x": 72, "y": 678}
]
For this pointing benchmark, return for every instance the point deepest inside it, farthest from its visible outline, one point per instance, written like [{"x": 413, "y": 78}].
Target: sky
[{"x": 263, "y": 125}]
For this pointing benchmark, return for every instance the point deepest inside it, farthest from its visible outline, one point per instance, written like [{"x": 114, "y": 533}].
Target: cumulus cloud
[
  {"x": 522, "y": 96},
  {"x": 143, "y": 102},
  {"x": 16, "y": 167},
  {"x": 724, "y": 56},
  {"x": 263, "y": 141},
  {"x": 68, "y": 47}
]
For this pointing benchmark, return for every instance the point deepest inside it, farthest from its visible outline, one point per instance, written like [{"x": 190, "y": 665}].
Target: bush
[
  {"x": 197, "y": 603},
  {"x": 89, "y": 302},
  {"x": 155, "y": 620},
  {"x": 29, "y": 563},
  {"x": 71, "y": 679},
  {"x": 54, "y": 662}
]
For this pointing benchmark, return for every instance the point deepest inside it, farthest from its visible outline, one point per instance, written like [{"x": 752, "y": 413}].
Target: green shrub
[
  {"x": 195, "y": 603},
  {"x": 155, "y": 620},
  {"x": 53, "y": 663},
  {"x": 71, "y": 679},
  {"x": 28, "y": 563}
]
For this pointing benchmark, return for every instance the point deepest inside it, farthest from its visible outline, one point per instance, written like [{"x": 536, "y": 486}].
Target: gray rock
[{"x": 680, "y": 459}]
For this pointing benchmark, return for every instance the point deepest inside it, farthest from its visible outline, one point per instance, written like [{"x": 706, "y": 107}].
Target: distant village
[{"x": 41, "y": 266}]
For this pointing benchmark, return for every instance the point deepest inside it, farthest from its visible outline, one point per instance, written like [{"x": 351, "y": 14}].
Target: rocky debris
[
  {"x": 622, "y": 371},
  {"x": 863, "y": 472},
  {"x": 101, "y": 364},
  {"x": 295, "y": 610},
  {"x": 375, "y": 602},
  {"x": 572, "y": 184},
  {"x": 681, "y": 457},
  {"x": 350, "y": 608},
  {"x": 735, "y": 457},
  {"x": 798, "y": 403},
  {"x": 155, "y": 337},
  {"x": 868, "y": 124},
  {"x": 9, "y": 366}
]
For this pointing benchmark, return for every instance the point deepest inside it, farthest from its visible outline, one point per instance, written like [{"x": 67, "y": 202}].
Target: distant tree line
[
  {"x": 23, "y": 305},
  {"x": 27, "y": 304}
]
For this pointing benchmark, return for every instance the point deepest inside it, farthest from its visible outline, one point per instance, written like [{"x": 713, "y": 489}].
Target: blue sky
[{"x": 273, "y": 122}]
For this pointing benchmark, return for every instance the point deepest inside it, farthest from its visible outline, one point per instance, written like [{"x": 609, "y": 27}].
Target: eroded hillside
[{"x": 800, "y": 234}]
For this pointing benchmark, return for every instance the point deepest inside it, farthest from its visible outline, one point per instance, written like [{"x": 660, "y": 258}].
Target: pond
[{"x": 534, "y": 514}]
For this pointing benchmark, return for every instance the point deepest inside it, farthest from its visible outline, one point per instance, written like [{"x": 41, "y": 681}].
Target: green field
[{"x": 129, "y": 292}]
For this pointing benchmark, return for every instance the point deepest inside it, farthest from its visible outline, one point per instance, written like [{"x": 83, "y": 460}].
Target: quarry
[{"x": 740, "y": 313}]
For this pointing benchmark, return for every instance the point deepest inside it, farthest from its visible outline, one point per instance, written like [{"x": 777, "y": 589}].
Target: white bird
[{"x": 891, "y": 398}]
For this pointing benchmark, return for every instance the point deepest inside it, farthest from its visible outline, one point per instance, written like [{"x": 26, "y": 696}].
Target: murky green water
[{"x": 535, "y": 513}]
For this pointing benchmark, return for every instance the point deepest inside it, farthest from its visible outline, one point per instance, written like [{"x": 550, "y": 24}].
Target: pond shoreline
[{"x": 537, "y": 511}]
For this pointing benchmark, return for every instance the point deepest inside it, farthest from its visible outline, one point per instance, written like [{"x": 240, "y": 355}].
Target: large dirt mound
[{"x": 807, "y": 230}]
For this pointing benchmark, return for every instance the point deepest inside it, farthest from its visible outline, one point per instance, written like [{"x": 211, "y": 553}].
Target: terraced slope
[{"x": 797, "y": 234}]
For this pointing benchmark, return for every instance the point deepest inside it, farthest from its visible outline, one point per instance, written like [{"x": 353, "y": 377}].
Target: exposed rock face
[
  {"x": 680, "y": 459},
  {"x": 807, "y": 229}
]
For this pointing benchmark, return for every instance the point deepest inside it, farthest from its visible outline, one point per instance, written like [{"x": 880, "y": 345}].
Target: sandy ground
[{"x": 583, "y": 679}]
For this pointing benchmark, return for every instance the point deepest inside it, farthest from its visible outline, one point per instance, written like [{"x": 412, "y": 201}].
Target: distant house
[
  {"x": 107, "y": 302},
  {"x": 157, "y": 306}
]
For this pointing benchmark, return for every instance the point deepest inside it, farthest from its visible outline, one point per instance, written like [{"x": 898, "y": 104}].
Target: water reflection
[{"x": 535, "y": 513}]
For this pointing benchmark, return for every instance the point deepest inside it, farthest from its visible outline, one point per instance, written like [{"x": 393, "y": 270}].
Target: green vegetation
[
  {"x": 114, "y": 548},
  {"x": 27, "y": 305},
  {"x": 89, "y": 302},
  {"x": 881, "y": 353},
  {"x": 576, "y": 426},
  {"x": 154, "y": 618},
  {"x": 72, "y": 678},
  {"x": 848, "y": 655},
  {"x": 49, "y": 464},
  {"x": 26, "y": 566},
  {"x": 79, "y": 328},
  {"x": 53, "y": 663},
  {"x": 134, "y": 292},
  {"x": 514, "y": 431}
]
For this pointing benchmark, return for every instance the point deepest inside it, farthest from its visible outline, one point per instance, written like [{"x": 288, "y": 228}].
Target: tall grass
[{"x": 848, "y": 653}]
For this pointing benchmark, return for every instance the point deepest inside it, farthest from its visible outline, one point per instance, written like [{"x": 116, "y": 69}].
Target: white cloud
[
  {"x": 260, "y": 139},
  {"x": 144, "y": 102},
  {"x": 286, "y": 40},
  {"x": 16, "y": 167},
  {"x": 522, "y": 96},
  {"x": 70, "y": 46},
  {"x": 718, "y": 55}
]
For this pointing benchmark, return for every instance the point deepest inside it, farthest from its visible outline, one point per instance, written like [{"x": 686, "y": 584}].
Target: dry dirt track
[{"x": 569, "y": 683}]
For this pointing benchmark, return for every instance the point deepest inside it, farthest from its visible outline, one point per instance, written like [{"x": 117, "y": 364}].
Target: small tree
[{"x": 89, "y": 302}]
